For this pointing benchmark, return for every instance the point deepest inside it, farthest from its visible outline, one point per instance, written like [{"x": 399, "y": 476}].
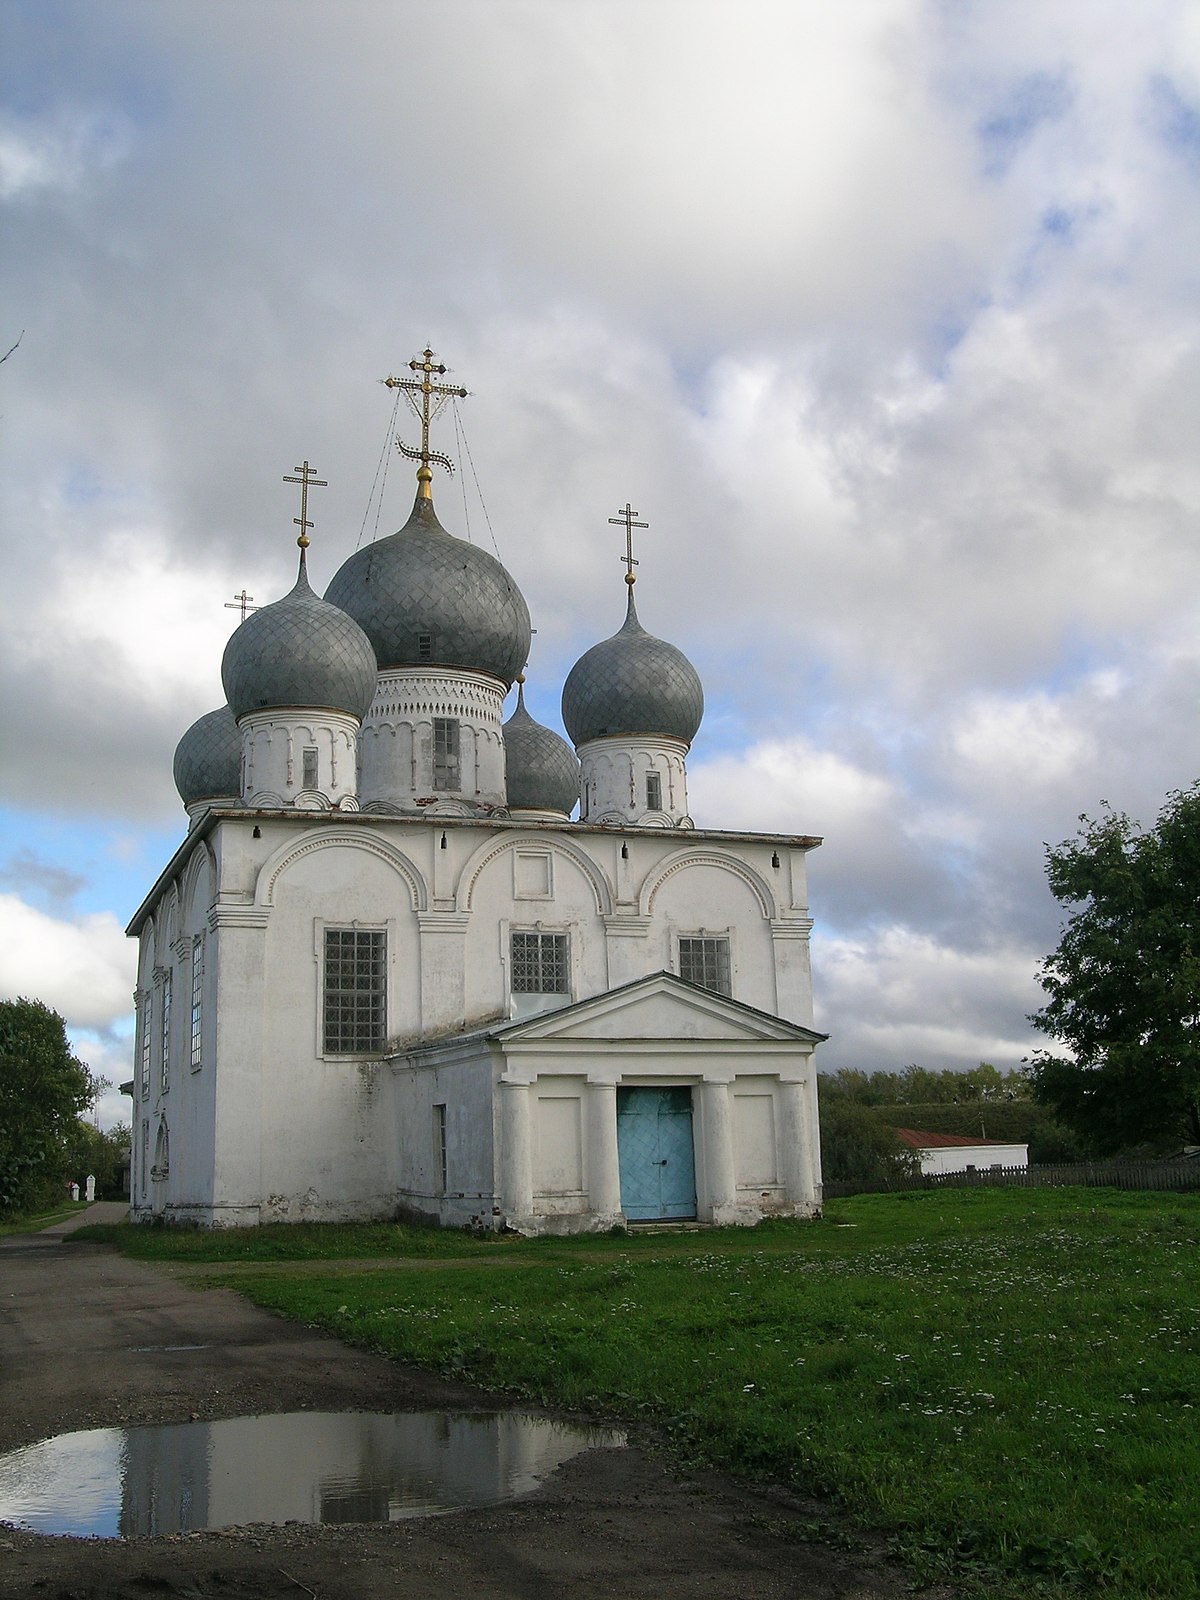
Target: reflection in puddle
[{"x": 336, "y": 1466}]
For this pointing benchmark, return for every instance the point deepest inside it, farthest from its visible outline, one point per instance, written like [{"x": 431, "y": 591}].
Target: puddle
[{"x": 343, "y": 1466}]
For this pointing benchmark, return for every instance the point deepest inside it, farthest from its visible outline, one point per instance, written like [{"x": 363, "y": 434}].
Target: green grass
[
  {"x": 36, "y": 1221},
  {"x": 1004, "y": 1380}
]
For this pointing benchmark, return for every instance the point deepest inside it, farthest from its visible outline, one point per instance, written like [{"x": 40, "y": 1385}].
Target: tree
[
  {"x": 856, "y": 1147},
  {"x": 1124, "y": 983},
  {"x": 43, "y": 1089}
]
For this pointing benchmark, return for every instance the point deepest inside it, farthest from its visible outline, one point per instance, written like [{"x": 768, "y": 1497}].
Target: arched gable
[
  {"x": 199, "y": 878},
  {"x": 488, "y": 853},
  {"x": 340, "y": 839},
  {"x": 701, "y": 857},
  {"x": 166, "y": 925}
]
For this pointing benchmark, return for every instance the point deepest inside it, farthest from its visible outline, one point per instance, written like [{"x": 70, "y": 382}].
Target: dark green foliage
[
  {"x": 981, "y": 1085},
  {"x": 1124, "y": 983},
  {"x": 857, "y": 1147},
  {"x": 102, "y": 1154},
  {"x": 43, "y": 1090}
]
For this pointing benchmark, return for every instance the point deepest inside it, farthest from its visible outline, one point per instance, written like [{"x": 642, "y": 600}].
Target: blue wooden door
[{"x": 655, "y": 1154}]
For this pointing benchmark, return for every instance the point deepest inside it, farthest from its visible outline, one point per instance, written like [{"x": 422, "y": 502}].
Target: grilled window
[
  {"x": 355, "y": 991},
  {"x": 197, "y": 1000},
  {"x": 706, "y": 961},
  {"x": 439, "y": 1146},
  {"x": 145, "y": 1003},
  {"x": 424, "y": 647},
  {"x": 445, "y": 754},
  {"x": 166, "y": 1031},
  {"x": 539, "y": 963},
  {"x": 311, "y": 778},
  {"x": 653, "y": 792}
]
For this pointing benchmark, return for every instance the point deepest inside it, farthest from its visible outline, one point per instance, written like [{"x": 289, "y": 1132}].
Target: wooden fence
[{"x": 1166, "y": 1175}]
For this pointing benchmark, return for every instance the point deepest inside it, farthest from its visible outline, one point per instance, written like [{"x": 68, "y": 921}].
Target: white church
[{"x": 416, "y": 960}]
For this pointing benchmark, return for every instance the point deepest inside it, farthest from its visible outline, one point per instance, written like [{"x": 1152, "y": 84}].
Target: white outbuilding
[{"x": 386, "y": 974}]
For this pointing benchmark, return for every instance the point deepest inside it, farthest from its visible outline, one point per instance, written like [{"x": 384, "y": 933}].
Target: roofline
[
  {"x": 496, "y": 1033},
  {"x": 317, "y": 819}
]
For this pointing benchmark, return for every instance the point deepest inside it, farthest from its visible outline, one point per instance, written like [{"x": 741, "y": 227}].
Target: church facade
[{"x": 389, "y": 973}]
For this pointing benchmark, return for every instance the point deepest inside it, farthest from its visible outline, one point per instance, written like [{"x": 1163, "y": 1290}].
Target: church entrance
[{"x": 655, "y": 1154}]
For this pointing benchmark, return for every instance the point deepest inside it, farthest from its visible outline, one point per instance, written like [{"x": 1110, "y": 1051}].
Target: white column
[
  {"x": 796, "y": 1154},
  {"x": 516, "y": 1155},
  {"x": 720, "y": 1183},
  {"x": 604, "y": 1173}
]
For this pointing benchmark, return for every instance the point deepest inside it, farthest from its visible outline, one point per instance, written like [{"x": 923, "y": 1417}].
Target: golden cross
[
  {"x": 433, "y": 397},
  {"x": 625, "y": 520},
  {"x": 304, "y": 480},
  {"x": 241, "y": 602}
]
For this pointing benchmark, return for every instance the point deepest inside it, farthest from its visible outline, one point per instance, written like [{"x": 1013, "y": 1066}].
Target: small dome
[
  {"x": 208, "y": 759},
  {"x": 427, "y": 599},
  {"x": 542, "y": 772},
  {"x": 632, "y": 683},
  {"x": 300, "y": 652}
]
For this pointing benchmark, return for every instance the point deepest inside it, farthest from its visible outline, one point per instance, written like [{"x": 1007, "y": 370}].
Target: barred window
[
  {"x": 424, "y": 647},
  {"x": 355, "y": 991},
  {"x": 539, "y": 963},
  {"x": 310, "y": 775},
  {"x": 197, "y": 999},
  {"x": 166, "y": 1031},
  {"x": 706, "y": 961},
  {"x": 653, "y": 792},
  {"x": 445, "y": 754},
  {"x": 439, "y": 1147},
  {"x": 146, "y": 1042}
]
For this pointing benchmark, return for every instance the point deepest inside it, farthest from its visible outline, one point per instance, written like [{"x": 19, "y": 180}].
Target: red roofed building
[{"x": 953, "y": 1152}]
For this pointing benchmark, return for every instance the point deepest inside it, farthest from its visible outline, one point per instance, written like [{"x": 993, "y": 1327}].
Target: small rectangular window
[
  {"x": 144, "y": 1164},
  {"x": 653, "y": 792},
  {"x": 705, "y": 961},
  {"x": 311, "y": 779},
  {"x": 424, "y": 647},
  {"x": 539, "y": 963},
  {"x": 445, "y": 754},
  {"x": 439, "y": 1147},
  {"x": 355, "y": 996},
  {"x": 197, "y": 1000},
  {"x": 166, "y": 1031},
  {"x": 146, "y": 1043}
]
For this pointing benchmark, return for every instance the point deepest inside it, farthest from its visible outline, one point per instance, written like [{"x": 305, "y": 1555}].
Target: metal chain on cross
[
  {"x": 241, "y": 602},
  {"x": 426, "y": 397},
  {"x": 626, "y": 521},
  {"x": 305, "y": 479}
]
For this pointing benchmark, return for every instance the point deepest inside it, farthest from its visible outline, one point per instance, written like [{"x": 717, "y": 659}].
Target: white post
[
  {"x": 796, "y": 1154},
  {"x": 719, "y": 1180},
  {"x": 604, "y": 1173},
  {"x": 516, "y": 1156}
]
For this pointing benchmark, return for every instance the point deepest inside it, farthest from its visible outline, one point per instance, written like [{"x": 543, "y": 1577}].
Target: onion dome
[
  {"x": 542, "y": 771},
  {"x": 299, "y": 653},
  {"x": 633, "y": 684},
  {"x": 208, "y": 759},
  {"x": 425, "y": 598}
]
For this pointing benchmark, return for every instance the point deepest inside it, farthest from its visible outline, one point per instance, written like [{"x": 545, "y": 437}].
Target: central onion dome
[
  {"x": 208, "y": 759},
  {"x": 632, "y": 684},
  {"x": 425, "y": 598},
  {"x": 542, "y": 773},
  {"x": 300, "y": 652}
]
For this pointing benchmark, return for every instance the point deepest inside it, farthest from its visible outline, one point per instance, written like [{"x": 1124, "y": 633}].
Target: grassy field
[
  {"x": 1005, "y": 1381},
  {"x": 36, "y": 1221}
]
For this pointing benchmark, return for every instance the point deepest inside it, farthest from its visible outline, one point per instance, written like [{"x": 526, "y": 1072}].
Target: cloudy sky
[{"x": 884, "y": 316}]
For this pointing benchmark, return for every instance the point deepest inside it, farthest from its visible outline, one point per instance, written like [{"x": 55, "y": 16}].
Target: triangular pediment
[{"x": 661, "y": 1006}]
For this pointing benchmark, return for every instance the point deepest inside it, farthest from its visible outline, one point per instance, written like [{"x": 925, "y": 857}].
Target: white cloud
[{"x": 81, "y": 967}]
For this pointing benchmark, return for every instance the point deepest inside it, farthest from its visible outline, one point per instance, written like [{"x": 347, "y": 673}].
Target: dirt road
[{"x": 88, "y": 1339}]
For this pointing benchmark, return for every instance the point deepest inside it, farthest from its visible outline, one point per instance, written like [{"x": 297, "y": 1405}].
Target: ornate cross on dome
[
  {"x": 433, "y": 397},
  {"x": 625, "y": 520},
  {"x": 304, "y": 480},
  {"x": 241, "y": 602}
]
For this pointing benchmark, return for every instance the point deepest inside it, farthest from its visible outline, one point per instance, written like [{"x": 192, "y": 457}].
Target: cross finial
[
  {"x": 304, "y": 480},
  {"x": 241, "y": 602},
  {"x": 626, "y": 521},
  {"x": 427, "y": 399}
]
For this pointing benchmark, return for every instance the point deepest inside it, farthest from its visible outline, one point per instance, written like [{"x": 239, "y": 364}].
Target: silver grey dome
[
  {"x": 426, "y": 598},
  {"x": 208, "y": 759},
  {"x": 632, "y": 683},
  {"x": 542, "y": 771},
  {"x": 300, "y": 652}
]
